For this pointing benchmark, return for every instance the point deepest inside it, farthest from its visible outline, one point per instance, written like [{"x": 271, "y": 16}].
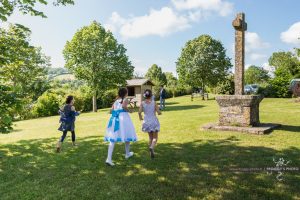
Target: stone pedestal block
[{"x": 239, "y": 110}]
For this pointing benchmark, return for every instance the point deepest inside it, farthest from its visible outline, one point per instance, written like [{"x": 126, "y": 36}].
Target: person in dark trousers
[
  {"x": 67, "y": 119},
  {"x": 162, "y": 97}
]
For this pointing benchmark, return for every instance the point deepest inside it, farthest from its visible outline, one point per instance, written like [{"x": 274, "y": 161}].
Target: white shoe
[
  {"x": 129, "y": 155},
  {"x": 109, "y": 163}
]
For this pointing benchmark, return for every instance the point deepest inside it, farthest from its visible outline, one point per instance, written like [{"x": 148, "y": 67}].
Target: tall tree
[
  {"x": 22, "y": 73},
  {"x": 155, "y": 74},
  {"x": 23, "y": 66},
  {"x": 95, "y": 56},
  {"x": 8, "y": 103},
  {"x": 286, "y": 64},
  {"x": 171, "y": 82},
  {"x": 203, "y": 62},
  {"x": 7, "y": 7},
  {"x": 255, "y": 74}
]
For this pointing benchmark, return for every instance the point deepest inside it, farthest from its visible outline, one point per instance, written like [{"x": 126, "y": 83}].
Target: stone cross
[{"x": 240, "y": 27}]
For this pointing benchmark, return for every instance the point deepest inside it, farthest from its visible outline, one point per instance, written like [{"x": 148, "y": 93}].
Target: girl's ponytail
[{"x": 122, "y": 94}]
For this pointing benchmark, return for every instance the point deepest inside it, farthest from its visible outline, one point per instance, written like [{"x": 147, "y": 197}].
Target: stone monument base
[
  {"x": 240, "y": 113},
  {"x": 239, "y": 110},
  {"x": 258, "y": 130}
]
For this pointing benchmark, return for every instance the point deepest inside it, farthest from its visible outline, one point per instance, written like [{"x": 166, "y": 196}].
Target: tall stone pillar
[
  {"x": 240, "y": 112},
  {"x": 240, "y": 27}
]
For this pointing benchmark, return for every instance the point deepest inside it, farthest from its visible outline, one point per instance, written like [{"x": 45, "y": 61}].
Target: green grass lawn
[{"x": 190, "y": 163}]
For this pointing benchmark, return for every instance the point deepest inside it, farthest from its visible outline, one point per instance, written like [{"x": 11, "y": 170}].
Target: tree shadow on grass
[
  {"x": 169, "y": 103},
  {"x": 179, "y": 108},
  {"x": 194, "y": 170},
  {"x": 289, "y": 128}
]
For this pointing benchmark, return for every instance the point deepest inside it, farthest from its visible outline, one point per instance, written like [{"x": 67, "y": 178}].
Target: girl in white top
[{"x": 120, "y": 127}]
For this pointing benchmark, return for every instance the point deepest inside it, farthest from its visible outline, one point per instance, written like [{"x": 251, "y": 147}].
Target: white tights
[{"x": 111, "y": 147}]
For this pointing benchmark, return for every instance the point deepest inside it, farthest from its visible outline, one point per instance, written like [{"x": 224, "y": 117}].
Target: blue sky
[{"x": 154, "y": 31}]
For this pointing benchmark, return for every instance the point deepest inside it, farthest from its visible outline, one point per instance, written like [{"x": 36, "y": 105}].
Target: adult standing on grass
[
  {"x": 68, "y": 115},
  {"x": 162, "y": 97}
]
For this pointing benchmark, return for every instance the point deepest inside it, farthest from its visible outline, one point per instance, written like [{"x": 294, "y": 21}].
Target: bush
[
  {"x": 276, "y": 88},
  {"x": 47, "y": 105},
  {"x": 172, "y": 92},
  {"x": 225, "y": 87},
  {"x": 107, "y": 98},
  {"x": 83, "y": 99}
]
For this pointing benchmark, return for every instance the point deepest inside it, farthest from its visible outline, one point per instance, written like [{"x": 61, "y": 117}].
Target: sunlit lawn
[{"x": 190, "y": 163}]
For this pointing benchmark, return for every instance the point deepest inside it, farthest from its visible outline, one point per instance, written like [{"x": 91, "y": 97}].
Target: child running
[
  {"x": 67, "y": 119},
  {"x": 120, "y": 127},
  {"x": 150, "y": 124}
]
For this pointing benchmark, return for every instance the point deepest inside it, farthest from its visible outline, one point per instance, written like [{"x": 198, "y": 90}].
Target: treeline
[{"x": 273, "y": 83}]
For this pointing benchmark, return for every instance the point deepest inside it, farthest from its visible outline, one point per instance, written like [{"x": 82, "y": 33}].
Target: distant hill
[
  {"x": 61, "y": 77},
  {"x": 60, "y": 73},
  {"x": 54, "y": 71}
]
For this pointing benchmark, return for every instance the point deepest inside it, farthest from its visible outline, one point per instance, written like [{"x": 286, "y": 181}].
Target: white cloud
[
  {"x": 114, "y": 21},
  {"x": 257, "y": 56},
  {"x": 158, "y": 22},
  {"x": 270, "y": 69},
  {"x": 292, "y": 35},
  {"x": 196, "y": 16},
  {"x": 254, "y": 46},
  {"x": 167, "y": 20},
  {"x": 267, "y": 67},
  {"x": 247, "y": 66},
  {"x": 254, "y": 42},
  {"x": 223, "y": 8}
]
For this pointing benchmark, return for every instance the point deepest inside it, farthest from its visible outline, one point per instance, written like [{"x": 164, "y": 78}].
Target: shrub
[
  {"x": 107, "y": 98},
  {"x": 83, "y": 99},
  {"x": 225, "y": 87},
  {"x": 172, "y": 92},
  {"x": 47, "y": 105},
  {"x": 276, "y": 88}
]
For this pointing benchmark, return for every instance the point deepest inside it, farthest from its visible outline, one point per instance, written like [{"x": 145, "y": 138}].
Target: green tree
[
  {"x": 8, "y": 103},
  {"x": 7, "y": 7},
  {"x": 23, "y": 66},
  {"x": 287, "y": 67},
  {"x": 255, "y": 74},
  {"x": 156, "y": 75},
  {"x": 95, "y": 56},
  {"x": 171, "y": 82},
  {"x": 286, "y": 64},
  {"x": 203, "y": 62},
  {"x": 22, "y": 73}
]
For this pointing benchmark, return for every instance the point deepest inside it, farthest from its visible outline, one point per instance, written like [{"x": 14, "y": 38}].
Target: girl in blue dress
[{"x": 120, "y": 127}]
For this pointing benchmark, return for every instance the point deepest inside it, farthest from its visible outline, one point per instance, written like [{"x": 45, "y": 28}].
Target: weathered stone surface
[
  {"x": 240, "y": 27},
  {"x": 296, "y": 90},
  {"x": 239, "y": 110},
  {"x": 258, "y": 130}
]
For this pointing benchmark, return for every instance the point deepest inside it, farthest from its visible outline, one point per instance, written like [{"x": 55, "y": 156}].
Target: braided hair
[{"x": 122, "y": 93}]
